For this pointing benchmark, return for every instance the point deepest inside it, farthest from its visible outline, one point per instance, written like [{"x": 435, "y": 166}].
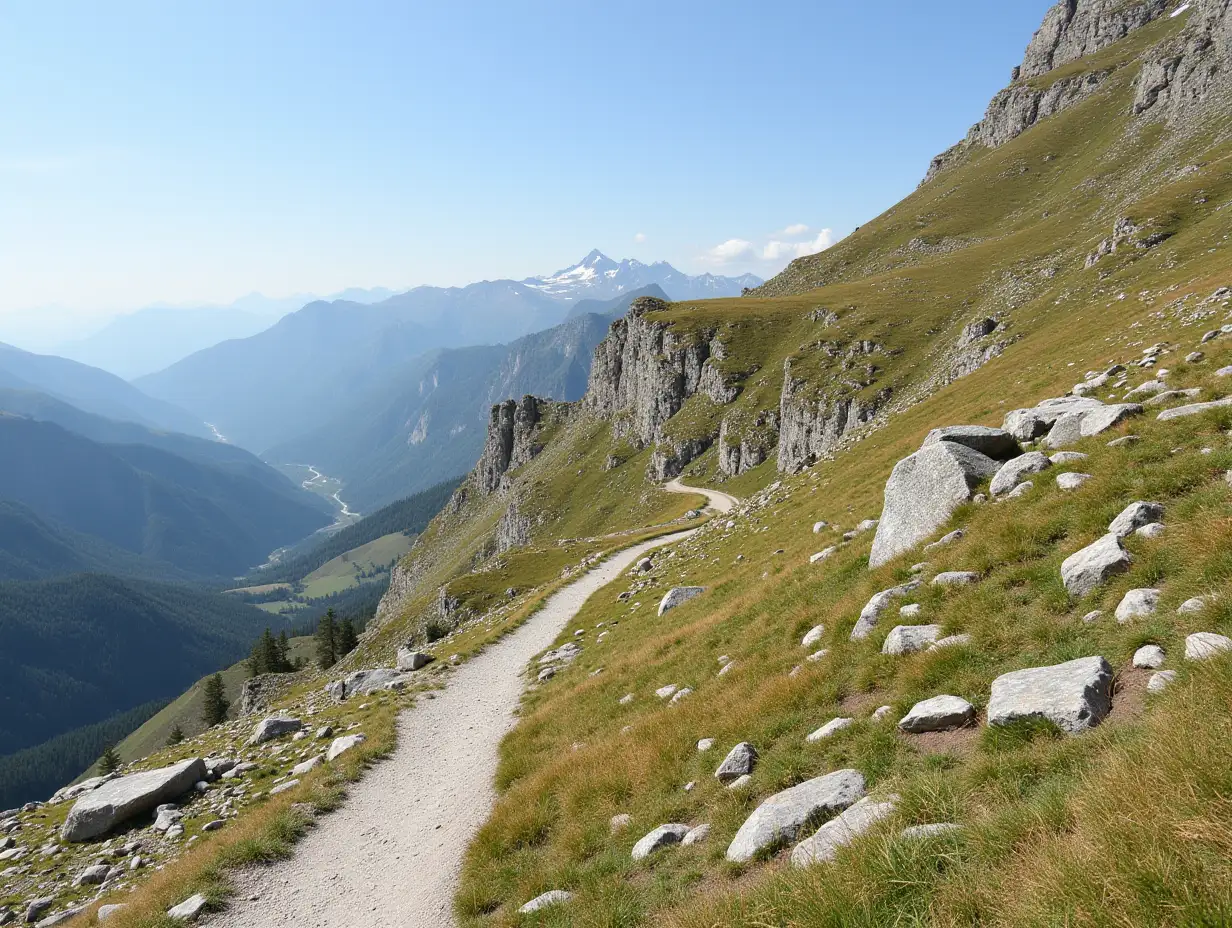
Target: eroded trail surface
[{"x": 392, "y": 854}]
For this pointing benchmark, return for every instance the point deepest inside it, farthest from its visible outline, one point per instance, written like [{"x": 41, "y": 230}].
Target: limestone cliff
[{"x": 514, "y": 430}]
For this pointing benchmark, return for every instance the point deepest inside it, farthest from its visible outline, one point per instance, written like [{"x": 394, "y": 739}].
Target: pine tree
[
  {"x": 176, "y": 736},
  {"x": 284, "y": 653},
  {"x": 216, "y": 705},
  {"x": 110, "y": 761},
  {"x": 327, "y": 654},
  {"x": 346, "y": 638}
]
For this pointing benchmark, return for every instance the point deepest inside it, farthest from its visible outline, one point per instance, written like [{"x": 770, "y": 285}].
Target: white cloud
[
  {"x": 778, "y": 251},
  {"x": 734, "y": 249},
  {"x": 795, "y": 230},
  {"x": 640, "y": 237}
]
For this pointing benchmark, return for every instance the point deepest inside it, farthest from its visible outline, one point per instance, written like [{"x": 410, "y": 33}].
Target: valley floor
[{"x": 391, "y": 856}]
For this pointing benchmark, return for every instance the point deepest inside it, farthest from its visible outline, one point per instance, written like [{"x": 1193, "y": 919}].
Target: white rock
[
  {"x": 910, "y": 610},
  {"x": 955, "y": 578},
  {"x": 840, "y": 832},
  {"x": 1154, "y": 530},
  {"x": 1160, "y": 681},
  {"x": 882, "y": 712},
  {"x": 626, "y": 699},
  {"x": 1012, "y": 472},
  {"x": 906, "y": 639},
  {"x": 680, "y": 694},
  {"x": 1068, "y": 457},
  {"x": 1201, "y": 646},
  {"x": 1193, "y": 409},
  {"x": 1092, "y": 616},
  {"x": 274, "y": 727},
  {"x": 678, "y": 596},
  {"x": 1189, "y": 606},
  {"x": 705, "y": 744},
  {"x": 550, "y": 898},
  {"x": 951, "y": 641},
  {"x": 188, "y": 910},
  {"x": 817, "y": 655},
  {"x": 1092, "y": 566},
  {"x": 620, "y": 822},
  {"x": 663, "y": 836},
  {"x": 871, "y": 613},
  {"x": 1149, "y": 657},
  {"x": 782, "y": 817},
  {"x": 818, "y": 526},
  {"x": 944, "y": 540},
  {"x": 1071, "y": 481},
  {"x": 826, "y": 730},
  {"x": 307, "y": 766},
  {"x": 283, "y": 787},
  {"x": 813, "y": 636},
  {"x": 409, "y": 659},
  {"x": 342, "y": 745},
  {"x": 97, "y": 812},
  {"x": 995, "y": 443},
  {"x": 664, "y": 692},
  {"x": 1137, "y": 603},
  {"x": 1074, "y": 696},
  {"x": 822, "y": 555},
  {"x": 739, "y": 761},
  {"x": 740, "y": 782},
  {"x": 940, "y": 713},
  {"x": 696, "y": 835},
  {"x": 1134, "y": 516}
]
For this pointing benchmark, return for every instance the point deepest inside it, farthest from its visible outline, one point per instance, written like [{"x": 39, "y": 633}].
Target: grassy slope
[
  {"x": 1123, "y": 826},
  {"x": 342, "y": 572}
]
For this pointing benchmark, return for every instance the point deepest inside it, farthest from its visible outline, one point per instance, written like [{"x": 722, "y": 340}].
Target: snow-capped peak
[{"x": 598, "y": 277}]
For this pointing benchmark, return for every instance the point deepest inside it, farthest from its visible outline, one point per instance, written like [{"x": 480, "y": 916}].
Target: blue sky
[{"x": 193, "y": 153}]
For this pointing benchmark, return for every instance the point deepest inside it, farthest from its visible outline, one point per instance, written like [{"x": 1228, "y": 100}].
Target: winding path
[
  {"x": 720, "y": 502},
  {"x": 390, "y": 858}
]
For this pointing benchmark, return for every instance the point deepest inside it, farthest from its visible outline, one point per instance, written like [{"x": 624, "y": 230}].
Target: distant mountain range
[{"x": 598, "y": 277}]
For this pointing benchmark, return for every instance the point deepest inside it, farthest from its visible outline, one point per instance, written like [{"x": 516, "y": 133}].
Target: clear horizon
[{"x": 191, "y": 157}]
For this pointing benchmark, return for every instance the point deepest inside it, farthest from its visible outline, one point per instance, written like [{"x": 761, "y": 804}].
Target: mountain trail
[
  {"x": 392, "y": 854},
  {"x": 720, "y": 502}
]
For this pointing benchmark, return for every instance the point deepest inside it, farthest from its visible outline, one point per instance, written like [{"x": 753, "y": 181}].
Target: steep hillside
[{"x": 202, "y": 519}]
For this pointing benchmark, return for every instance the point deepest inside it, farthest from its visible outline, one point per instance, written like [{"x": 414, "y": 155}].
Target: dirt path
[
  {"x": 721, "y": 502},
  {"x": 392, "y": 854}
]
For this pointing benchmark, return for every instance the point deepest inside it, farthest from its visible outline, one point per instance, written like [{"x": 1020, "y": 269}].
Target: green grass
[{"x": 343, "y": 572}]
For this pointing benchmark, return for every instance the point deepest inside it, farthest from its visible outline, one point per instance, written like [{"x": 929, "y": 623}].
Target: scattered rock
[
  {"x": 620, "y": 822},
  {"x": 1074, "y": 696},
  {"x": 951, "y": 641},
  {"x": 1154, "y": 530},
  {"x": 873, "y": 609},
  {"x": 782, "y": 817},
  {"x": 705, "y": 744},
  {"x": 544, "y": 900},
  {"x": 678, "y": 596},
  {"x": 741, "y": 782},
  {"x": 1202, "y": 646},
  {"x": 341, "y": 745},
  {"x": 818, "y": 526},
  {"x": 840, "y": 832},
  {"x": 882, "y": 712},
  {"x": 940, "y": 713},
  {"x": 307, "y": 766},
  {"x": 38, "y": 907},
  {"x": 283, "y": 787},
  {"x": 1012, "y": 472},
  {"x": 189, "y": 909},
  {"x": 1134, "y": 516},
  {"x": 680, "y": 694},
  {"x": 826, "y": 730},
  {"x": 1137, "y": 603},
  {"x": 910, "y": 610},
  {"x": 994, "y": 443},
  {"x": 274, "y": 727},
  {"x": 1092, "y": 566},
  {"x": 955, "y": 578},
  {"x": 1123, "y": 441},
  {"x": 106, "y": 911},
  {"x": 92, "y": 876},
  {"x": 1030, "y": 424},
  {"x": 1160, "y": 681},
  {"x": 813, "y": 636},
  {"x": 945, "y": 540},
  {"x": 664, "y": 692},
  {"x": 1190, "y": 606},
  {"x": 115, "y": 802},
  {"x": 922, "y": 493},
  {"x": 906, "y": 639},
  {"x": 1068, "y": 457},
  {"x": 1194, "y": 409},
  {"x": 696, "y": 835},
  {"x": 1071, "y": 481},
  {"x": 739, "y": 761},
  {"x": 410, "y": 660},
  {"x": 822, "y": 555},
  {"x": 817, "y": 655},
  {"x": 663, "y": 836},
  {"x": 1149, "y": 657}
]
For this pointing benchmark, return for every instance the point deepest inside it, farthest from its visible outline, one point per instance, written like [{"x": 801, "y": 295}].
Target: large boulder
[
  {"x": 1074, "y": 696},
  {"x": 996, "y": 443},
  {"x": 1011, "y": 472},
  {"x": 841, "y": 831},
  {"x": 274, "y": 727},
  {"x": 1090, "y": 567},
  {"x": 366, "y": 682},
  {"x": 115, "y": 802},
  {"x": 1075, "y": 426},
  {"x": 871, "y": 613},
  {"x": 1030, "y": 424},
  {"x": 678, "y": 596},
  {"x": 782, "y": 817},
  {"x": 922, "y": 493},
  {"x": 408, "y": 659}
]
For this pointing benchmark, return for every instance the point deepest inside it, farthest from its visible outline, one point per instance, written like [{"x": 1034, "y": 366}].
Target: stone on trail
[
  {"x": 922, "y": 493},
  {"x": 1071, "y": 481},
  {"x": 343, "y": 744},
  {"x": 544, "y": 900},
  {"x": 940, "y": 713},
  {"x": 696, "y": 835},
  {"x": 115, "y": 802},
  {"x": 662, "y": 836},
  {"x": 1193, "y": 409},
  {"x": 1202, "y": 646},
  {"x": 1074, "y": 696},
  {"x": 955, "y": 578},
  {"x": 994, "y": 443},
  {"x": 871, "y": 613},
  {"x": 841, "y": 831},
  {"x": 739, "y": 761},
  {"x": 1137, "y": 603},
  {"x": 906, "y": 639},
  {"x": 781, "y": 818},
  {"x": 409, "y": 659},
  {"x": 1134, "y": 516},
  {"x": 274, "y": 727},
  {"x": 1092, "y": 566},
  {"x": 826, "y": 730},
  {"x": 813, "y": 636},
  {"x": 1010, "y": 474},
  {"x": 1149, "y": 657},
  {"x": 188, "y": 910},
  {"x": 678, "y": 596},
  {"x": 1160, "y": 681}
]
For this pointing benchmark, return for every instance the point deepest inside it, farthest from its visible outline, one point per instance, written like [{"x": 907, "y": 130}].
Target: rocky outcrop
[
  {"x": 513, "y": 529},
  {"x": 1192, "y": 68},
  {"x": 513, "y": 433},
  {"x": 1074, "y": 28},
  {"x": 115, "y": 802},
  {"x": 258, "y": 692},
  {"x": 743, "y": 447},
  {"x": 813, "y": 422}
]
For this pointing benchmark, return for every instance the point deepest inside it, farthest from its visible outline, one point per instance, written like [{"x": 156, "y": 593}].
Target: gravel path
[
  {"x": 391, "y": 855},
  {"x": 720, "y": 502}
]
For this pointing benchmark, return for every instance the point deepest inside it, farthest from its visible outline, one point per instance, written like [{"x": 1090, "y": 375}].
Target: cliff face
[
  {"x": 513, "y": 433},
  {"x": 1071, "y": 29},
  {"x": 813, "y": 422},
  {"x": 1192, "y": 69}
]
